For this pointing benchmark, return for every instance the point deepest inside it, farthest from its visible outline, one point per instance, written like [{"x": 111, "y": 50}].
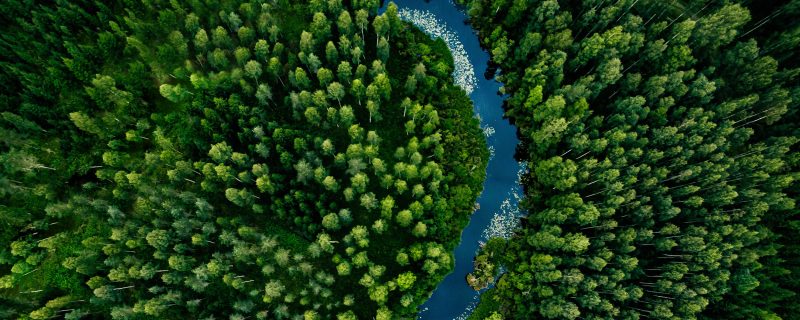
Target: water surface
[{"x": 453, "y": 298}]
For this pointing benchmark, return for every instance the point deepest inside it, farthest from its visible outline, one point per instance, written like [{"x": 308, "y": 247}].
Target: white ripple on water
[
  {"x": 488, "y": 131},
  {"x": 503, "y": 225},
  {"x": 468, "y": 310},
  {"x": 506, "y": 221},
  {"x": 464, "y": 73}
]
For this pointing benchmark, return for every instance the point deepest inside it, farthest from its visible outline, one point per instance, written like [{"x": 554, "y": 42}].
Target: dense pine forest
[
  {"x": 662, "y": 139},
  {"x": 227, "y": 160},
  {"x": 314, "y": 159}
]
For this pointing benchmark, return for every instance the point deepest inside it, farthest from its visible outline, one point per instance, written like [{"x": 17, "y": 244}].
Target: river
[{"x": 498, "y": 213}]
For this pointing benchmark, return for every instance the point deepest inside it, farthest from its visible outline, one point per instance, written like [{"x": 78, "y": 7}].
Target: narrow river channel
[{"x": 453, "y": 298}]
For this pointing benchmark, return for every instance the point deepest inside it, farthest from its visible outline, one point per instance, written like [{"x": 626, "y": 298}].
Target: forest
[
  {"x": 662, "y": 141},
  {"x": 315, "y": 159},
  {"x": 215, "y": 159}
]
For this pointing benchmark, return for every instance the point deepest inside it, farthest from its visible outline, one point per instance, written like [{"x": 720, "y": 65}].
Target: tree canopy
[
  {"x": 662, "y": 145},
  {"x": 225, "y": 159}
]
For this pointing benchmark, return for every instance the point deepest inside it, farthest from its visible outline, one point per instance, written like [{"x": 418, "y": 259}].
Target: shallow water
[{"x": 453, "y": 298}]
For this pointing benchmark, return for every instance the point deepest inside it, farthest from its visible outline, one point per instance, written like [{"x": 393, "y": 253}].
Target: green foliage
[
  {"x": 662, "y": 144},
  {"x": 172, "y": 159}
]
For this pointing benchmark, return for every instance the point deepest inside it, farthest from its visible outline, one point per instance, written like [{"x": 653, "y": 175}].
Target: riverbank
[{"x": 497, "y": 211}]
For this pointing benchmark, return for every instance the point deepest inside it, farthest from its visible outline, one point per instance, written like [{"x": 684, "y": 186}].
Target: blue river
[{"x": 453, "y": 298}]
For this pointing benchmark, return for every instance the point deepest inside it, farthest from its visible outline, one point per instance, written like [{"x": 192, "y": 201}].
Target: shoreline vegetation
[
  {"x": 506, "y": 221},
  {"x": 464, "y": 72},
  {"x": 229, "y": 159}
]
